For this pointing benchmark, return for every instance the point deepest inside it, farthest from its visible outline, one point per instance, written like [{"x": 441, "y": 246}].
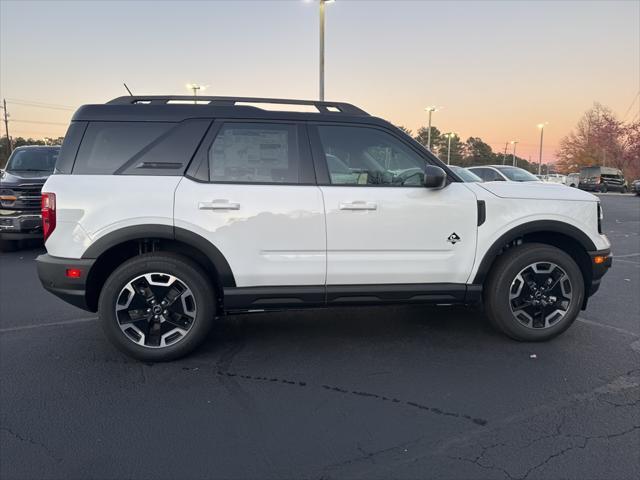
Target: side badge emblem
[{"x": 454, "y": 238}]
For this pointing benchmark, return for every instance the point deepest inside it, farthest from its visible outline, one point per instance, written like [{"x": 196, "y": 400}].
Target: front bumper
[
  {"x": 53, "y": 276},
  {"x": 601, "y": 262},
  {"x": 20, "y": 224}
]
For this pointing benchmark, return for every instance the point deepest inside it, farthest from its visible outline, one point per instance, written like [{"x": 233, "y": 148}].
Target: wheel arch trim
[
  {"x": 166, "y": 232},
  {"x": 537, "y": 226}
]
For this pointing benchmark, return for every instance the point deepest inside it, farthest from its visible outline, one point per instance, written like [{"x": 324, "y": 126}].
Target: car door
[
  {"x": 257, "y": 203},
  {"x": 383, "y": 226}
]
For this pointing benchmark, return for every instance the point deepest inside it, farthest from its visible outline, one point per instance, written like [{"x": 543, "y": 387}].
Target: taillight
[{"x": 48, "y": 214}]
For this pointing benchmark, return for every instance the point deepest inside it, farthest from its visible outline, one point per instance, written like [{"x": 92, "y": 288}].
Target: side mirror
[{"x": 434, "y": 177}]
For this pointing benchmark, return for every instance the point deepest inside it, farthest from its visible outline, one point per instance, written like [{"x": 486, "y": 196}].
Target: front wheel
[
  {"x": 534, "y": 292},
  {"x": 157, "y": 306}
]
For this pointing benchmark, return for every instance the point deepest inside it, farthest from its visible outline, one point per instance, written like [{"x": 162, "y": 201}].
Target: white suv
[{"x": 163, "y": 214}]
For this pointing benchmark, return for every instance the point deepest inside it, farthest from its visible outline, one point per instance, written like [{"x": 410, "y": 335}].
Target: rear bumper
[
  {"x": 53, "y": 276},
  {"x": 20, "y": 224}
]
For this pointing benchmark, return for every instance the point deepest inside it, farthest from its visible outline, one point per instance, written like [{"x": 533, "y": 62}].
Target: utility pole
[
  {"x": 430, "y": 110},
  {"x": 504, "y": 157},
  {"x": 6, "y": 124},
  {"x": 541, "y": 127},
  {"x": 321, "y": 50}
]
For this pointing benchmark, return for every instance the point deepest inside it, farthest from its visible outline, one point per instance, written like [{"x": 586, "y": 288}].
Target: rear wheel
[
  {"x": 157, "y": 306},
  {"x": 624, "y": 189},
  {"x": 603, "y": 188},
  {"x": 534, "y": 292}
]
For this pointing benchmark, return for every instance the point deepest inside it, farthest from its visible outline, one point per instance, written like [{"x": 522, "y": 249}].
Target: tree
[
  {"x": 477, "y": 152},
  {"x": 405, "y": 130},
  {"x": 423, "y": 136},
  {"x": 600, "y": 138}
]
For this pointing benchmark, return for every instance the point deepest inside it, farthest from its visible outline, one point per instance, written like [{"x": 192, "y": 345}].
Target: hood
[
  {"x": 17, "y": 177},
  {"x": 537, "y": 191}
]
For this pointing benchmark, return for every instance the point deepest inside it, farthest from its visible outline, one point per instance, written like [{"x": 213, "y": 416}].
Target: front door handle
[
  {"x": 219, "y": 205},
  {"x": 358, "y": 205}
]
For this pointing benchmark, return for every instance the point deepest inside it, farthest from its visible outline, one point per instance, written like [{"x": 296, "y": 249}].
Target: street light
[
  {"x": 541, "y": 127},
  {"x": 514, "y": 143},
  {"x": 430, "y": 109},
  {"x": 322, "y": 4},
  {"x": 449, "y": 136},
  {"x": 195, "y": 87}
]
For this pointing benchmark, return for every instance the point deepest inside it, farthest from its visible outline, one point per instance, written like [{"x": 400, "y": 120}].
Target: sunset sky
[{"x": 497, "y": 68}]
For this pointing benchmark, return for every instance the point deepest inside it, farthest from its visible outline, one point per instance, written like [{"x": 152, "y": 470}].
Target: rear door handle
[
  {"x": 358, "y": 205},
  {"x": 219, "y": 205}
]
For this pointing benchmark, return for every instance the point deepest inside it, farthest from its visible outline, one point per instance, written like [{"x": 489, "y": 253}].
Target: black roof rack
[{"x": 322, "y": 107}]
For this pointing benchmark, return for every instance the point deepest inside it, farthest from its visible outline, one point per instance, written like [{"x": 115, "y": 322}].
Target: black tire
[
  {"x": 603, "y": 188},
  {"x": 189, "y": 273},
  {"x": 499, "y": 283},
  {"x": 624, "y": 190},
  {"x": 9, "y": 245}
]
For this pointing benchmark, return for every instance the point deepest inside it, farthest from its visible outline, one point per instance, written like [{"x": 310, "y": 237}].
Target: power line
[
  {"x": 632, "y": 103},
  {"x": 31, "y": 103},
  {"x": 38, "y": 122}
]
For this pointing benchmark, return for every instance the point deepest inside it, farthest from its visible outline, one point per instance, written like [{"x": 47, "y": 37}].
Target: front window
[
  {"x": 368, "y": 156},
  {"x": 33, "y": 160},
  {"x": 516, "y": 174},
  {"x": 465, "y": 175}
]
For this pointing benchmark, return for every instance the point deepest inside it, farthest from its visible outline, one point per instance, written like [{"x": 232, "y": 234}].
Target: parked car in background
[
  {"x": 635, "y": 187},
  {"x": 572, "y": 180},
  {"x": 503, "y": 173},
  {"x": 20, "y": 184},
  {"x": 465, "y": 174},
  {"x": 602, "y": 179},
  {"x": 555, "y": 178}
]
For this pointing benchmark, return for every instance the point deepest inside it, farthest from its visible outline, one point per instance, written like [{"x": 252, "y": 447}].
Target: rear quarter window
[{"x": 138, "y": 148}]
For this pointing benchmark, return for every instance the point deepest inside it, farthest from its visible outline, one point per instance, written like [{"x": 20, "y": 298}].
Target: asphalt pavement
[{"x": 385, "y": 392}]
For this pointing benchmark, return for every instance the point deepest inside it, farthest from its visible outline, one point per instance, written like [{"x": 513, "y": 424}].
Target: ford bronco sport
[{"x": 164, "y": 214}]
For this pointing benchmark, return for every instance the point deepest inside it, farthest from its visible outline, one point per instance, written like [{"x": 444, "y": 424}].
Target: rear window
[{"x": 138, "y": 148}]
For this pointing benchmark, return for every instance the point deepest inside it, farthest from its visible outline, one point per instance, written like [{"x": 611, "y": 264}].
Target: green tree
[
  {"x": 477, "y": 152},
  {"x": 422, "y": 136},
  {"x": 405, "y": 130}
]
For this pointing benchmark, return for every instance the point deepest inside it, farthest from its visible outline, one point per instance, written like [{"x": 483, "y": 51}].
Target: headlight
[{"x": 7, "y": 197}]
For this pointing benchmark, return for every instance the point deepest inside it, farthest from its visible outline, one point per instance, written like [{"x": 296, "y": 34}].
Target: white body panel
[
  {"x": 401, "y": 236},
  {"x": 544, "y": 202},
  {"x": 270, "y": 234},
  {"x": 89, "y": 207}
]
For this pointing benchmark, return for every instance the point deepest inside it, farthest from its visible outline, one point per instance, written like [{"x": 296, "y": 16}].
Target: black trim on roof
[{"x": 321, "y": 106}]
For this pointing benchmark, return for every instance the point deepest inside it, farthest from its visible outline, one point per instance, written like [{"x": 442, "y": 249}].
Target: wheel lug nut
[
  {"x": 148, "y": 310},
  {"x": 166, "y": 312}
]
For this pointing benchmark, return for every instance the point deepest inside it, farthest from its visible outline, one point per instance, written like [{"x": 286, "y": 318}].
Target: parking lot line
[
  {"x": 53, "y": 324},
  {"x": 610, "y": 327}
]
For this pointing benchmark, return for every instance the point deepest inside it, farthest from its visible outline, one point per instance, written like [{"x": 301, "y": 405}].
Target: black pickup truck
[{"x": 21, "y": 181}]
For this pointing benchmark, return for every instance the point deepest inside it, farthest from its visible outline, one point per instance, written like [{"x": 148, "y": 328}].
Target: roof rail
[{"x": 322, "y": 107}]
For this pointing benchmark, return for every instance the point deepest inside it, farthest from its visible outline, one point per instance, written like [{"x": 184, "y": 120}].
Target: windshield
[
  {"x": 464, "y": 174},
  {"x": 33, "y": 160},
  {"x": 516, "y": 174},
  {"x": 590, "y": 172}
]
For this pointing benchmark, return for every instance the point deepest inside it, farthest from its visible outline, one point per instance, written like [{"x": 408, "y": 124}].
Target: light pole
[
  {"x": 541, "y": 127},
  {"x": 514, "y": 143},
  {"x": 504, "y": 157},
  {"x": 322, "y": 4},
  {"x": 195, "y": 87},
  {"x": 449, "y": 136},
  {"x": 430, "y": 109}
]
